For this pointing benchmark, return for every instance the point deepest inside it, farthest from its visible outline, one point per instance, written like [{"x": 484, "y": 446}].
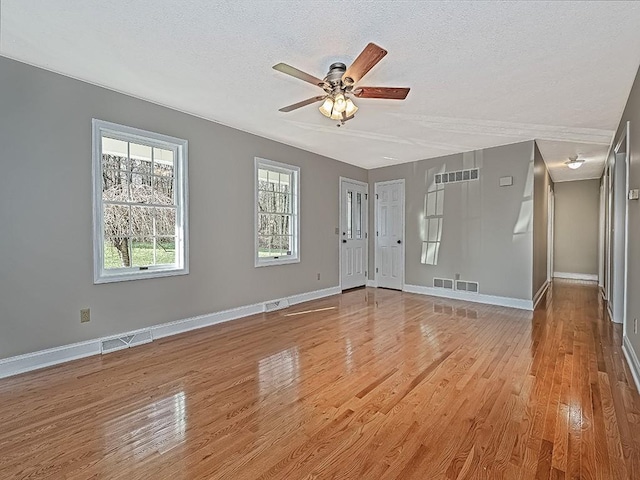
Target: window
[
  {"x": 140, "y": 204},
  {"x": 277, "y": 207}
]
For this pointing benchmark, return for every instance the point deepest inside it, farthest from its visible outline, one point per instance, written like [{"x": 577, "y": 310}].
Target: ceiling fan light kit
[
  {"x": 340, "y": 82},
  {"x": 574, "y": 163}
]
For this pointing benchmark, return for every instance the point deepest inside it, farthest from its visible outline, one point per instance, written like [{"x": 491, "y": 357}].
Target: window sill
[
  {"x": 138, "y": 275},
  {"x": 271, "y": 262}
]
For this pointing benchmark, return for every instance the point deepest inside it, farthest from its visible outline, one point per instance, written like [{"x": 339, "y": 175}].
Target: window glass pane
[
  {"x": 349, "y": 215},
  {"x": 117, "y": 148},
  {"x": 142, "y": 252},
  {"x": 266, "y": 202},
  {"x": 285, "y": 183},
  {"x": 263, "y": 224},
  {"x": 263, "y": 179},
  {"x": 115, "y": 219},
  {"x": 114, "y": 162},
  {"x": 163, "y": 162},
  {"x": 140, "y": 188},
  {"x": 165, "y": 221},
  {"x": 286, "y": 245},
  {"x": 272, "y": 179},
  {"x": 358, "y": 215},
  {"x": 163, "y": 190},
  {"x": 115, "y": 185},
  {"x": 285, "y": 225},
  {"x": 142, "y": 222},
  {"x": 264, "y": 246},
  {"x": 165, "y": 250},
  {"x": 116, "y": 252},
  {"x": 274, "y": 225},
  {"x": 140, "y": 154},
  {"x": 275, "y": 246},
  {"x": 283, "y": 203}
]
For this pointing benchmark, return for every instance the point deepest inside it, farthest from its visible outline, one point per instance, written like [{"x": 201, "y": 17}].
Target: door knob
[{"x": 399, "y": 242}]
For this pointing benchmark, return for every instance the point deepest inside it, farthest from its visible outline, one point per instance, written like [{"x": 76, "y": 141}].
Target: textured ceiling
[{"x": 481, "y": 73}]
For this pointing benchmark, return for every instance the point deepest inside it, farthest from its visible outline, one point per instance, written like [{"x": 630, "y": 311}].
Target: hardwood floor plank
[{"x": 371, "y": 384}]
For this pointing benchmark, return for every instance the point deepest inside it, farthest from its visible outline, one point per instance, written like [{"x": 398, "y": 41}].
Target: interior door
[
  {"x": 353, "y": 239},
  {"x": 390, "y": 234}
]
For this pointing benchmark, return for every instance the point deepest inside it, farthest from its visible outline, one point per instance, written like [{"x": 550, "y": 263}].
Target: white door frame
[
  {"x": 608, "y": 275},
  {"x": 341, "y": 227},
  {"x": 404, "y": 226},
  {"x": 550, "y": 232},
  {"x": 624, "y": 139}
]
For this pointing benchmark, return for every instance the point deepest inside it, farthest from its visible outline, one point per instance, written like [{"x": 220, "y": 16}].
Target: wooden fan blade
[
  {"x": 303, "y": 103},
  {"x": 367, "y": 59},
  {"x": 391, "y": 93},
  {"x": 299, "y": 74}
]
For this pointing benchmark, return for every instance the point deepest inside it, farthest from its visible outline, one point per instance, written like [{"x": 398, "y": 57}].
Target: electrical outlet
[
  {"x": 85, "y": 315},
  {"x": 318, "y": 276}
]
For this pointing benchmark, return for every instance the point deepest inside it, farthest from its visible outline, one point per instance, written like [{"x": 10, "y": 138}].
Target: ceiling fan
[
  {"x": 574, "y": 162},
  {"x": 340, "y": 83}
]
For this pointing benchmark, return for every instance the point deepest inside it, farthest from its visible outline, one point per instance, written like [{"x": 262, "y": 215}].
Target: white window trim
[
  {"x": 180, "y": 147},
  {"x": 295, "y": 258}
]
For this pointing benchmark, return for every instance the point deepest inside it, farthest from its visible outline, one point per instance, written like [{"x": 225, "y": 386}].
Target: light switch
[{"x": 633, "y": 194}]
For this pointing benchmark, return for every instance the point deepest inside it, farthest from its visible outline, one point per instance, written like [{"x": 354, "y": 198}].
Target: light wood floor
[{"x": 376, "y": 384}]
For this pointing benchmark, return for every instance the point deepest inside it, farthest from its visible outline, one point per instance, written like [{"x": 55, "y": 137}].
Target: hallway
[{"x": 372, "y": 384}]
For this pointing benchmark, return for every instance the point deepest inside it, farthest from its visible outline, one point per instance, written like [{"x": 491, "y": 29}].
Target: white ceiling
[{"x": 481, "y": 73}]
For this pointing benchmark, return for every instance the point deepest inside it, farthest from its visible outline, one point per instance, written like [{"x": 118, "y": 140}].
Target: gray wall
[
  {"x": 45, "y": 216},
  {"x": 577, "y": 210},
  {"x": 632, "y": 114},
  {"x": 487, "y": 229},
  {"x": 541, "y": 184}
]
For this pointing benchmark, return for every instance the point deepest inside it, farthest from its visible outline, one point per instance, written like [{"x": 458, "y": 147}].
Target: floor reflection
[
  {"x": 278, "y": 371},
  {"x": 154, "y": 428}
]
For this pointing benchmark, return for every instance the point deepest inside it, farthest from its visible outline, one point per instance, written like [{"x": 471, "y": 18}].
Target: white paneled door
[
  {"x": 353, "y": 233},
  {"x": 390, "y": 234}
]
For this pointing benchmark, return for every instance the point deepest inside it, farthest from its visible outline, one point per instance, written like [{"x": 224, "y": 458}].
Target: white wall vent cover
[
  {"x": 465, "y": 286},
  {"x": 276, "y": 305},
  {"x": 443, "y": 283},
  {"x": 125, "y": 341},
  {"x": 458, "y": 176}
]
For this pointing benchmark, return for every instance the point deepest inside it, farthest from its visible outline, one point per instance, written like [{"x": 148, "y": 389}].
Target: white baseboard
[
  {"x": 53, "y": 356},
  {"x": 538, "y": 296},
  {"x": 587, "y": 277},
  {"x": 632, "y": 361},
  {"x": 316, "y": 294},
  {"x": 46, "y": 358},
  {"x": 201, "y": 321},
  {"x": 372, "y": 283},
  {"x": 471, "y": 297}
]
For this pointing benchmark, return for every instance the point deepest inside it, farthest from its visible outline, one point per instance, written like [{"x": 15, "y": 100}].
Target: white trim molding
[
  {"x": 54, "y": 356},
  {"x": 540, "y": 293},
  {"x": 372, "y": 283},
  {"x": 519, "y": 303},
  {"x": 586, "y": 277},
  {"x": 632, "y": 360},
  {"x": 46, "y": 358}
]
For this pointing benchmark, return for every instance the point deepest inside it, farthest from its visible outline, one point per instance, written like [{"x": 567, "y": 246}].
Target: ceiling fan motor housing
[{"x": 336, "y": 71}]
